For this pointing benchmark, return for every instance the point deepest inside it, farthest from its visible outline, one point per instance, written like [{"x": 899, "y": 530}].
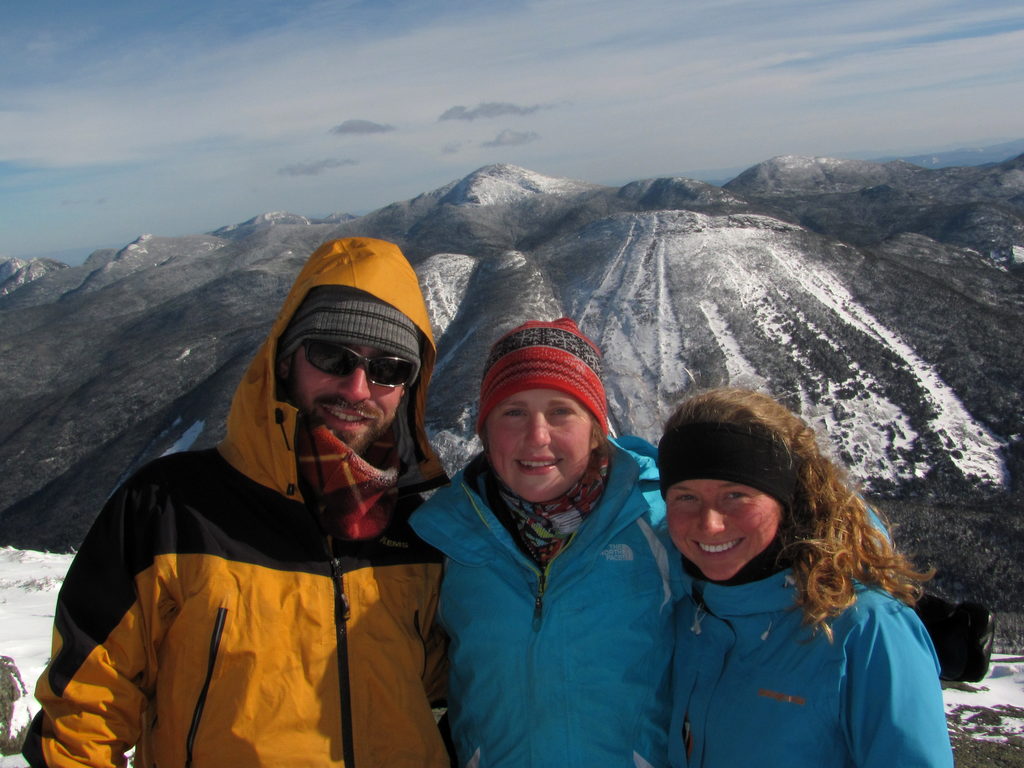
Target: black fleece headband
[{"x": 728, "y": 452}]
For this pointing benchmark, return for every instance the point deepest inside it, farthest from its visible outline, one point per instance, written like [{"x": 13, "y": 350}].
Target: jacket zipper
[
  {"x": 197, "y": 715},
  {"x": 542, "y": 573},
  {"x": 542, "y": 584},
  {"x": 341, "y": 616},
  {"x": 538, "y": 600}
]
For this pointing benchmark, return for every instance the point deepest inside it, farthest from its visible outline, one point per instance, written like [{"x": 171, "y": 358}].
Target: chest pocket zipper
[{"x": 197, "y": 715}]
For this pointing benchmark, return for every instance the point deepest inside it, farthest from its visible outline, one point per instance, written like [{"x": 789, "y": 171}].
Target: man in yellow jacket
[{"x": 265, "y": 603}]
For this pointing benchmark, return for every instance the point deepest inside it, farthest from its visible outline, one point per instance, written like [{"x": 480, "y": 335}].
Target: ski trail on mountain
[
  {"x": 742, "y": 294},
  {"x": 639, "y": 336},
  {"x": 972, "y": 448},
  {"x": 735, "y": 299},
  {"x": 740, "y": 371},
  {"x": 444, "y": 277}
]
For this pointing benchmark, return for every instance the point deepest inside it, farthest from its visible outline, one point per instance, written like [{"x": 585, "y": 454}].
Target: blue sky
[{"x": 128, "y": 117}]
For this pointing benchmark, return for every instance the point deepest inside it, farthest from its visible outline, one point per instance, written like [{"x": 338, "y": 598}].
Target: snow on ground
[
  {"x": 28, "y": 590},
  {"x": 187, "y": 439},
  {"x": 970, "y": 708},
  {"x": 29, "y": 582}
]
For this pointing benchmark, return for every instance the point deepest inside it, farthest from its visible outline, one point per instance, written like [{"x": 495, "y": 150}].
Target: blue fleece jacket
[
  {"x": 752, "y": 687},
  {"x": 568, "y": 666}
]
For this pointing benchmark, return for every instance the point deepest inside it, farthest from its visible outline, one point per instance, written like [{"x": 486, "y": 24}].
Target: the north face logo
[{"x": 618, "y": 552}]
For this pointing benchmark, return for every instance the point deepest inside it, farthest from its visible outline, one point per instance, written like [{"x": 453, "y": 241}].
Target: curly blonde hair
[{"x": 828, "y": 534}]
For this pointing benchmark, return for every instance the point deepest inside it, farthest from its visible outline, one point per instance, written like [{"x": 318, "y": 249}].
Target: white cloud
[
  {"x": 315, "y": 168},
  {"x": 487, "y": 109},
  {"x": 361, "y": 127},
  {"x": 510, "y": 138}
]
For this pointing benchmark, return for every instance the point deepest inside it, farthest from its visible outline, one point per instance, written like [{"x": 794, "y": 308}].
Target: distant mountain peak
[
  {"x": 801, "y": 174},
  {"x": 9, "y": 266},
  {"x": 138, "y": 244},
  {"x": 15, "y": 273},
  {"x": 259, "y": 222},
  {"x": 503, "y": 183}
]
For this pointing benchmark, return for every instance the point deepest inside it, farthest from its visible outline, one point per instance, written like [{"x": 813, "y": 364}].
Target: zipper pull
[
  {"x": 336, "y": 574},
  {"x": 538, "y": 600},
  {"x": 279, "y": 420},
  {"x": 702, "y": 608},
  {"x": 698, "y": 617}
]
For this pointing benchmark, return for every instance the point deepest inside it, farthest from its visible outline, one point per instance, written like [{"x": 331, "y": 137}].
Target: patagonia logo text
[{"x": 785, "y": 697}]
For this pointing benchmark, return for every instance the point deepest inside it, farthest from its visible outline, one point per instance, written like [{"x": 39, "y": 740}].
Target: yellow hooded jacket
[{"x": 209, "y": 621}]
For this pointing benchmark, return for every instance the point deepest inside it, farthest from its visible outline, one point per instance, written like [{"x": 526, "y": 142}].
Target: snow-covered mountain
[
  {"x": 265, "y": 221},
  {"x": 881, "y": 300},
  {"x": 15, "y": 273},
  {"x": 504, "y": 184},
  {"x": 863, "y": 203}
]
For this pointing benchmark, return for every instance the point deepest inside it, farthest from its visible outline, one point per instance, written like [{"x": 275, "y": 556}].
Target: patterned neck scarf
[
  {"x": 355, "y": 497},
  {"x": 544, "y": 527}
]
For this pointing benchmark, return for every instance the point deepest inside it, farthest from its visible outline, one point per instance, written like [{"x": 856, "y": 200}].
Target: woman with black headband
[{"x": 798, "y": 644}]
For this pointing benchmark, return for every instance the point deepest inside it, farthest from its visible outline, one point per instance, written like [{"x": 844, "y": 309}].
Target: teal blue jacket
[
  {"x": 752, "y": 687},
  {"x": 568, "y": 666}
]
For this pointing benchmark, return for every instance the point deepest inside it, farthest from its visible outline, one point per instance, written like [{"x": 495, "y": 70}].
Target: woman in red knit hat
[{"x": 557, "y": 593}]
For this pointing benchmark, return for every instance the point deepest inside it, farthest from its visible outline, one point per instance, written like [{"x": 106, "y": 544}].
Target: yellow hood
[{"x": 261, "y": 427}]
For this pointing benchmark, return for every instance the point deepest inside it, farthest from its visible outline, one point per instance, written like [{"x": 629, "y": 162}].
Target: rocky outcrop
[{"x": 14, "y": 720}]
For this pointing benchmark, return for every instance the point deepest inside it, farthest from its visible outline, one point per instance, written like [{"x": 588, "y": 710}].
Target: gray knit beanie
[{"x": 340, "y": 314}]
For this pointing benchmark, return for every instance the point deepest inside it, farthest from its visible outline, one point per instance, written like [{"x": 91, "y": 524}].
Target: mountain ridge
[{"x": 900, "y": 343}]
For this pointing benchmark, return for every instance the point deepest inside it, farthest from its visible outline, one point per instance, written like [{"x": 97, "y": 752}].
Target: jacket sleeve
[
  {"x": 890, "y": 693},
  {"x": 95, "y": 689}
]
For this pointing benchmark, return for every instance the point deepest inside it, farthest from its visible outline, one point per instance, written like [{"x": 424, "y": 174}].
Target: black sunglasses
[{"x": 385, "y": 370}]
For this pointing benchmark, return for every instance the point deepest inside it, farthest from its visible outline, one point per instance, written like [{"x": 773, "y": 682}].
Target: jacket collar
[
  {"x": 458, "y": 521},
  {"x": 774, "y": 593}
]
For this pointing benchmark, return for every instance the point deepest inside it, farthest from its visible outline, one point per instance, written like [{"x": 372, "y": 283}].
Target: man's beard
[{"x": 377, "y": 424}]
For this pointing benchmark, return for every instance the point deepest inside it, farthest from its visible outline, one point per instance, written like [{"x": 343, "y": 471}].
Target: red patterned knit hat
[{"x": 544, "y": 355}]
